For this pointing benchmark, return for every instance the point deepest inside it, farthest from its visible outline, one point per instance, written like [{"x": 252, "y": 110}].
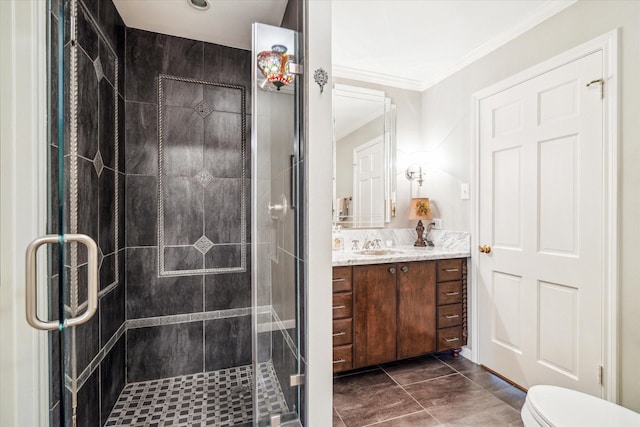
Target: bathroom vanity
[{"x": 385, "y": 311}]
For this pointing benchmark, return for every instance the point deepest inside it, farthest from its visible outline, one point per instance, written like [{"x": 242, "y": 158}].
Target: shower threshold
[{"x": 221, "y": 398}]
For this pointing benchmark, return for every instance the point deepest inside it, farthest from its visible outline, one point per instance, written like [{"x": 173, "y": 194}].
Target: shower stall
[{"x": 175, "y": 275}]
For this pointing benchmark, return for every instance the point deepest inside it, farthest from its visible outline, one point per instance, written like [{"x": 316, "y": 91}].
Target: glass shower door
[
  {"x": 278, "y": 361},
  {"x": 66, "y": 302}
]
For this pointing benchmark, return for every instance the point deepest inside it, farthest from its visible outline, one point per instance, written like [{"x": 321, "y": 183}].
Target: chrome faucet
[
  {"x": 368, "y": 244},
  {"x": 354, "y": 245}
]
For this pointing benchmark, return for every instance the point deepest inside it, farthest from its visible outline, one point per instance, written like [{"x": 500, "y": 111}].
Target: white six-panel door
[
  {"x": 368, "y": 181},
  {"x": 541, "y": 189}
]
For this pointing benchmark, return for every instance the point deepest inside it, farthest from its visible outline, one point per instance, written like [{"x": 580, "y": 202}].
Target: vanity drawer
[
  {"x": 342, "y": 331},
  {"x": 449, "y": 338},
  {"x": 342, "y": 279},
  {"x": 342, "y": 305},
  {"x": 342, "y": 358},
  {"x": 449, "y": 315},
  {"x": 449, "y": 292},
  {"x": 449, "y": 269}
]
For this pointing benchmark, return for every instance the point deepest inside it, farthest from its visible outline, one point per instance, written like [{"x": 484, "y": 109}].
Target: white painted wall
[
  {"x": 23, "y": 392},
  {"x": 447, "y": 121},
  {"x": 319, "y": 161}
]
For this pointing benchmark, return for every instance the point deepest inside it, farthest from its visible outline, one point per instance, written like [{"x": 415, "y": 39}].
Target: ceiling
[
  {"x": 414, "y": 44},
  {"x": 226, "y": 22},
  {"x": 411, "y": 44}
]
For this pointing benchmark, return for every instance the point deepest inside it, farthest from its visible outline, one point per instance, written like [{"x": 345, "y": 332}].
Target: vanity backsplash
[{"x": 352, "y": 240}]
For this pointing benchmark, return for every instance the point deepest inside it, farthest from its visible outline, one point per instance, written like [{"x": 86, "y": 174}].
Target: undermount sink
[{"x": 386, "y": 251}]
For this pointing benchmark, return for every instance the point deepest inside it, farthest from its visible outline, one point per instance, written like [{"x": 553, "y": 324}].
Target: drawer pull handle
[
  {"x": 339, "y": 334},
  {"x": 342, "y": 279},
  {"x": 452, "y": 339},
  {"x": 451, "y": 270},
  {"x": 341, "y": 360},
  {"x": 451, "y": 316},
  {"x": 339, "y": 307},
  {"x": 450, "y": 294},
  {"x": 405, "y": 269},
  {"x": 392, "y": 270}
]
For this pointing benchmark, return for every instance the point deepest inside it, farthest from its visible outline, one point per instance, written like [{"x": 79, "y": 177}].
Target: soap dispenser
[{"x": 338, "y": 240}]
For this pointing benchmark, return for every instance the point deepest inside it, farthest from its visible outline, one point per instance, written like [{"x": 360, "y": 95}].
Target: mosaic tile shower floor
[{"x": 218, "y": 398}]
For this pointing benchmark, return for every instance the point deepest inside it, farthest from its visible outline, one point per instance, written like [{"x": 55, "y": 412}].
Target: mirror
[{"x": 364, "y": 157}]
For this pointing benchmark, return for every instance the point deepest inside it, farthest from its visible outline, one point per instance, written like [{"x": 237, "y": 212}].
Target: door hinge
[
  {"x": 600, "y": 374},
  {"x": 601, "y": 82},
  {"x": 296, "y": 380}
]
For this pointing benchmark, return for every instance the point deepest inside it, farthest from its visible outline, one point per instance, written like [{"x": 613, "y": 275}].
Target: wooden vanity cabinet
[
  {"x": 342, "y": 319},
  {"x": 416, "y": 308},
  {"x": 394, "y": 311},
  {"x": 375, "y": 323},
  {"x": 398, "y": 311},
  {"x": 451, "y": 304}
]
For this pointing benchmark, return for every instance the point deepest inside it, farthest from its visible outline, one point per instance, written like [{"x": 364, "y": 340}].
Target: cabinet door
[
  {"x": 416, "y": 308},
  {"x": 374, "y": 314}
]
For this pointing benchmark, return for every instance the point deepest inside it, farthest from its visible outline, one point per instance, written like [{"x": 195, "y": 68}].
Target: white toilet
[{"x": 551, "y": 406}]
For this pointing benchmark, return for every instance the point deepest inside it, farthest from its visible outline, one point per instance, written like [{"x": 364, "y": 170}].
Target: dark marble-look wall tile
[
  {"x": 228, "y": 65},
  {"x": 111, "y": 313},
  {"x": 183, "y": 200},
  {"x": 108, "y": 270},
  {"x": 107, "y": 214},
  {"x": 183, "y": 131},
  {"x": 223, "y": 145},
  {"x": 219, "y": 333},
  {"x": 141, "y": 210},
  {"x": 108, "y": 61},
  {"x": 88, "y": 413},
  {"x": 230, "y": 290},
  {"x": 112, "y": 24},
  {"x": 112, "y": 378},
  {"x": 141, "y": 132},
  {"x": 88, "y": 203},
  {"x": 223, "y": 99},
  {"x": 106, "y": 125},
  {"x": 223, "y": 256},
  {"x": 284, "y": 363},
  {"x": 182, "y": 258},
  {"x": 87, "y": 342},
  {"x": 87, "y": 107},
  {"x": 164, "y": 351},
  {"x": 149, "y": 295},
  {"x": 122, "y": 151},
  {"x": 87, "y": 35},
  {"x": 182, "y": 94},
  {"x": 93, "y": 6},
  {"x": 223, "y": 209},
  {"x": 122, "y": 180},
  {"x": 149, "y": 54}
]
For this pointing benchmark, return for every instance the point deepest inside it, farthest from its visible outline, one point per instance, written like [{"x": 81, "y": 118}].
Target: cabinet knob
[
  {"x": 405, "y": 269},
  {"x": 392, "y": 270}
]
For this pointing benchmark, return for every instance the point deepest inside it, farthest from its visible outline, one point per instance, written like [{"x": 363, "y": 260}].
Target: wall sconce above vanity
[{"x": 415, "y": 172}]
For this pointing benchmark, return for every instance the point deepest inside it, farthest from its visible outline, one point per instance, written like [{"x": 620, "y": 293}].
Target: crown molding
[{"x": 377, "y": 78}]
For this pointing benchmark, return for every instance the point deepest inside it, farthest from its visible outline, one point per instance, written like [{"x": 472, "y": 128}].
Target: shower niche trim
[{"x": 202, "y": 171}]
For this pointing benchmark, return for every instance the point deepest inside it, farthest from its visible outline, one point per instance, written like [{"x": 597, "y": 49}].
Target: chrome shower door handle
[{"x": 31, "y": 285}]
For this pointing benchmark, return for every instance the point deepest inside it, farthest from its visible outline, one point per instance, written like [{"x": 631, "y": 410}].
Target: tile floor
[
  {"x": 428, "y": 391},
  {"x": 218, "y": 398}
]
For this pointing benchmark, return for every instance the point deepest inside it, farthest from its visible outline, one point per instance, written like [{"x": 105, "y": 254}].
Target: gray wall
[
  {"x": 184, "y": 323},
  {"x": 447, "y": 124}
]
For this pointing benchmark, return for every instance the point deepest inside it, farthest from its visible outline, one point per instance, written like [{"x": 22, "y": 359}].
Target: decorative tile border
[{"x": 203, "y": 109}]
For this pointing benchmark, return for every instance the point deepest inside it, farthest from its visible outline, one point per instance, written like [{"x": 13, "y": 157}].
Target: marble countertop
[{"x": 396, "y": 254}]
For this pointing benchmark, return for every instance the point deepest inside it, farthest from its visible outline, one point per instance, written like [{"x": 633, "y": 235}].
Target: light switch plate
[{"x": 464, "y": 191}]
